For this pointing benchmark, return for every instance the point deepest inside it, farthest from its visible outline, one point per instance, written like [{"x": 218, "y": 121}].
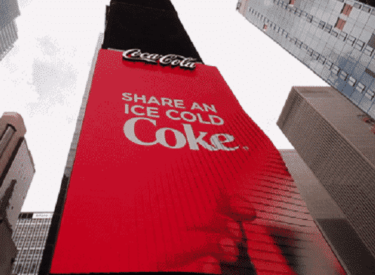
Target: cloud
[{"x": 53, "y": 82}]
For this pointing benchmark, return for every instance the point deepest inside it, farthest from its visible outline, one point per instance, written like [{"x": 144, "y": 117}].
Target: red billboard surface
[{"x": 172, "y": 175}]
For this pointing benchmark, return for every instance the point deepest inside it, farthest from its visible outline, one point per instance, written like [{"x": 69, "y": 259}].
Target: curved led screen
[{"x": 172, "y": 175}]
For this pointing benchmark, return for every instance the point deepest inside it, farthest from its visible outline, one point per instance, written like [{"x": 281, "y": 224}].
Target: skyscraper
[
  {"x": 334, "y": 38},
  {"x": 166, "y": 171},
  {"x": 30, "y": 237},
  {"x": 336, "y": 141},
  {"x": 16, "y": 173},
  {"x": 8, "y": 30}
]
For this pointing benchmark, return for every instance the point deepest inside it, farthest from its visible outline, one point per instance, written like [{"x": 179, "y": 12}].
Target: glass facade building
[
  {"x": 334, "y": 38},
  {"x": 9, "y": 10},
  {"x": 30, "y": 238}
]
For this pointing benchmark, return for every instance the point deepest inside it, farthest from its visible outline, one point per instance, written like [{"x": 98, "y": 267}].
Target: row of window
[
  {"x": 349, "y": 39},
  {"x": 348, "y": 8},
  {"x": 29, "y": 238},
  {"x": 31, "y": 232},
  {"x": 28, "y": 245},
  {"x": 28, "y": 269},
  {"x": 41, "y": 234},
  {"x": 32, "y": 239},
  {"x": 23, "y": 252},
  {"x": 357, "y": 5},
  {"x": 33, "y": 221},
  {"x": 31, "y": 224},
  {"x": 30, "y": 229},
  {"x": 362, "y": 7},
  {"x": 360, "y": 87}
]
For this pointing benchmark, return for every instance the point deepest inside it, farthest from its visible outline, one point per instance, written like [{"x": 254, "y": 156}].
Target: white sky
[{"x": 44, "y": 76}]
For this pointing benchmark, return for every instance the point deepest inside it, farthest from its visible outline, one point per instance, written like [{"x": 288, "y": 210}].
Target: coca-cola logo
[
  {"x": 172, "y": 60},
  {"x": 217, "y": 140}
]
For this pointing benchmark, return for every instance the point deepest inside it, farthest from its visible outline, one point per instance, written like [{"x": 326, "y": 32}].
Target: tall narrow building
[
  {"x": 30, "y": 236},
  {"x": 334, "y": 38},
  {"x": 16, "y": 173},
  {"x": 9, "y": 10},
  {"x": 336, "y": 141},
  {"x": 331, "y": 128},
  {"x": 167, "y": 172}
]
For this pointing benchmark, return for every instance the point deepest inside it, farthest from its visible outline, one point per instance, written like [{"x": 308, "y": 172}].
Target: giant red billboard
[{"x": 172, "y": 175}]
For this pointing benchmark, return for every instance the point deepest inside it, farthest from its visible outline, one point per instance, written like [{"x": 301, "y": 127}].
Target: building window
[
  {"x": 346, "y": 9},
  {"x": 358, "y": 6},
  {"x": 315, "y": 21},
  {"x": 322, "y": 59},
  {"x": 352, "y": 81},
  {"x": 350, "y": 40},
  {"x": 343, "y": 36},
  {"x": 371, "y": 42},
  {"x": 343, "y": 75},
  {"x": 368, "y": 50},
  {"x": 370, "y": 94},
  {"x": 335, "y": 69},
  {"x": 359, "y": 45},
  {"x": 366, "y": 9},
  {"x": 360, "y": 87},
  {"x": 321, "y": 24},
  {"x": 340, "y": 24},
  {"x": 328, "y": 28},
  {"x": 368, "y": 71}
]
